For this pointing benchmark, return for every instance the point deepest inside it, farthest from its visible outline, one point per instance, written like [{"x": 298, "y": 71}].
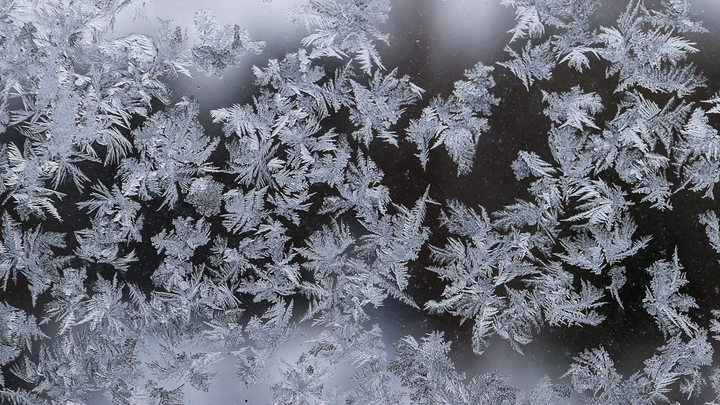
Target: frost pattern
[{"x": 151, "y": 250}]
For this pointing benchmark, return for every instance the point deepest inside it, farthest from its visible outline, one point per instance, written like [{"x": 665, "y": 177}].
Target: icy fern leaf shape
[
  {"x": 715, "y": 101},
  {"x": 425, "y": 368},
  {"x": 698, "y": 154},
  {"x": 638, "y": 130},
  {"x": 103, "y": 244},
  {"x": 19, "y": 331},
  {"x": 302, "y": 383},
  {"x": 380, "y": 106},
  {"x": 362, "y": 190},
  {"x": 575, "y": 309},
  {"x": 712, "y": 228},
  {"x": 535, "y": 63},
  {"x": 253, "y": 153},
  {"x": 225, "y": 331},
  {"x": 30, "y": 253},
  {"x": 530, "y": 164},
  {"x": 528, "y": 20},
  {"x": 531, "y": 16},
  {"x": 677, "y": 360},
  {"x": 121, "y": 211},
  {"x": 344, "y": 27},
  {"x": 347, "y": 341},
  {"x": 574, "y": 108},
  {"x": 181, "y": 242},
  {"x": 597, "y": 246},
  {"x": 116, "y": 223},
  {"x": 479, "y": 267},
  {"x": 273, "y": 282},
  {"x": 25, "y": 178},
  {"x": 171, "y": 46},
  {"x": 326, "y": 253},
  {"x": 599, "y": 203},
  {"x": 220, "y": 46},
  {"x": 184, "y": 367},
  {"x": 173, "y": 150},
  {"x": 664, "y": 301},
  {"x": 245, "y": 211},
  {"x": 457, "y": 122},
  {"x": 646, "y": 56},
  {"x": 22, "y": 397},
  {"x": 299, "y": 80},
  {"x": 395, "y": 241},
  {"x": 594, "y": 375},
  {"x": 594, "y": 370},
  {"x": 267, "y": 333},
  {"x": 715, "y": 325},
  {"x": 617, "y": 274},
  {"x": 205, "y": 194},
  {"x": 675, "y": 14},
  {"x": 577, "y": 57},
  {"x": 70, "y": 298},
  {"x": 105, "y": 308},
  {"x": 68, "y": 136}
]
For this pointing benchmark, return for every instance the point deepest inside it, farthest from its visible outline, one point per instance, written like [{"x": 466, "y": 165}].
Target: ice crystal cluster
[{"x": 139, "y": 248}]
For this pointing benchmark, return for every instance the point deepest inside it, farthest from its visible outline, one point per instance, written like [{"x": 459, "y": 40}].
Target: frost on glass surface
[{"x": 146, "y": 242}]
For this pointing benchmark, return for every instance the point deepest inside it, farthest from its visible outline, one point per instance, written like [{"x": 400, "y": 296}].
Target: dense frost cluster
[{"x": 138, "y": 249}]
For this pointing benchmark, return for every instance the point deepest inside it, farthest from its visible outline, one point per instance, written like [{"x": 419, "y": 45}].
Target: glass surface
[{"x": 406, "y": 201}]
